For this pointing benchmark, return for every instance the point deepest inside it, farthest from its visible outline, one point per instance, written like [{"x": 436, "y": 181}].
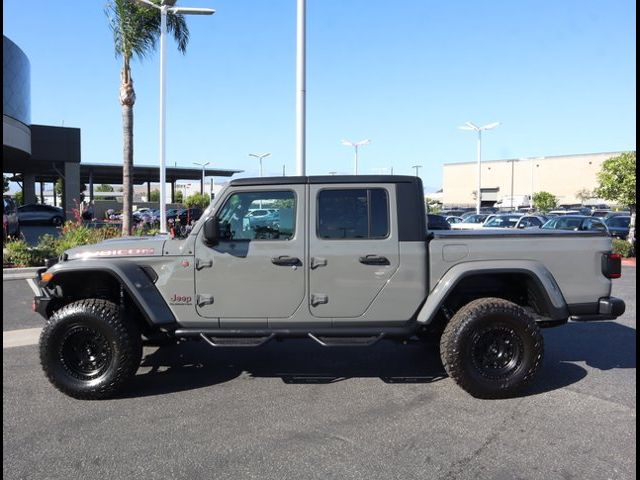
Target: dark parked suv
[{"x": 437, "y": 222}]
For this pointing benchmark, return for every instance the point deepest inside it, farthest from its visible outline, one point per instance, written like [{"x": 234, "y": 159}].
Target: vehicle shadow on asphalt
[
  {"x": 599, "y": 345},
  {"x": 191, "y": 365}
]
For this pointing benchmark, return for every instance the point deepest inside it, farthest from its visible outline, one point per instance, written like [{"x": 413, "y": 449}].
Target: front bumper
[{"x": 609, "y": 308}]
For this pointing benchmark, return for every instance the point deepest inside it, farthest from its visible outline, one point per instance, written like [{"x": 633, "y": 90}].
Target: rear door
[
  {"x": 353, "y": 247},
  {"x": 255, "y": 272}
]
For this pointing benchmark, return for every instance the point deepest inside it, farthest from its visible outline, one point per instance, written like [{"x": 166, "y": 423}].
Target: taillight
[{"x": 612, "y": 265}]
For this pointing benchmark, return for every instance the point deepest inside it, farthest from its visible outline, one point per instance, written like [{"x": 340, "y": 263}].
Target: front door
[
  {"x": 256, "y": 271},
  {"x": 353, "y": 248}
]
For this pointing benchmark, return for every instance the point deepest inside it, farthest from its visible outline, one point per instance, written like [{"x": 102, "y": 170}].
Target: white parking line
[
  {"x": 33, "y": 286},
  {"x": 20, "y": 338}
]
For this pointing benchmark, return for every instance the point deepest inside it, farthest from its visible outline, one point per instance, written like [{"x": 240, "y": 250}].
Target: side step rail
[
  {"x": 236, "y": 341},
  {"x": 346, "y": 341}
]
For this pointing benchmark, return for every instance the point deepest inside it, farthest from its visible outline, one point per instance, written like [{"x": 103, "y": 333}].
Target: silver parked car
[
  {"x": 576, "y": 222},
  {"x": 40, "y": 214}
]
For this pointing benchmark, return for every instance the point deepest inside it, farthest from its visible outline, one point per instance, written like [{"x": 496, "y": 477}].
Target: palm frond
[{"x": 136, "y": 28}]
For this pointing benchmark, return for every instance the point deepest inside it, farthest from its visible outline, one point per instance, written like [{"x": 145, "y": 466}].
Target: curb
[{"x": 629, "y": 262}]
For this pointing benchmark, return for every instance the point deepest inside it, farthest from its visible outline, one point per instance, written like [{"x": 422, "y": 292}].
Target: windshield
[{"x": 502, "y": 222}]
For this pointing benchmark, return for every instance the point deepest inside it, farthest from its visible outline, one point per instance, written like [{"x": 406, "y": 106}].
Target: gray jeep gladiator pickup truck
[{"x": 345, "y": 261}]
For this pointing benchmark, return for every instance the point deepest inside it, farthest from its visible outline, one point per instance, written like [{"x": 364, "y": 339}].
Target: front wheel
[
  {"x": 492, "y": 348},
  {"x": 88, "y": 351}
]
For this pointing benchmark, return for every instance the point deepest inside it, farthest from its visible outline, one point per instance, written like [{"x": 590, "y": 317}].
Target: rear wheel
[
  {"x": 88, "y": 351},
  {"x": 491, "y": 348}
]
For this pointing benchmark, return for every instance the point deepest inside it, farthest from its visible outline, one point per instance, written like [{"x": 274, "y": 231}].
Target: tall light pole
[
  {"x": 260, "y": 156},
  {"x": 166, "y": 7},
  {"x": 202, "y": 179},
  {"x": 417, "y": 167},
  {"x": 512, "y": 168},
  {"x": 473, "y": 126},
  {"x": 301, "y": 88},
  {"x": 355, "y": 146}
]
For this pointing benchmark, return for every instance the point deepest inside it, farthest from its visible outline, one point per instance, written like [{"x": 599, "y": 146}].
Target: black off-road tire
[
  {"x": 492, "y": 348},
  {"x": 88, "y": 351}
]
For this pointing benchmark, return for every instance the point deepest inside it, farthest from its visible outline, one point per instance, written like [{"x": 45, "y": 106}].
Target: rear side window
[{"x": 353, "y": 214}]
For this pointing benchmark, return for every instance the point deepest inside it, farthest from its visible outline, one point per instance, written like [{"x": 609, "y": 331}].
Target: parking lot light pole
[
  {"x": 166, "y": 7},
  {"x": 355, "y": 145},
  {"x": 417, "y": 167},
  {"x": 260, "y": 156},
  {"x": 474, "y": 127},
  {"x": 202, "y": 180}
]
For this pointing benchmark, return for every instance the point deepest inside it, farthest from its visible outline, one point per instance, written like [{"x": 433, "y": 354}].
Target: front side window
[
  {"x": 353, "y": 214},
  {"x": 237, "y": 220}
]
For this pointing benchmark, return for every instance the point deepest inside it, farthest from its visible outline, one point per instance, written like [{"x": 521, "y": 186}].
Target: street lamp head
[
  {"x": 349, "y": 143},
  {"x": 490, "y": 126},
  {"x": 260, "y": 155},
  {"x": 191, "y": 11}
]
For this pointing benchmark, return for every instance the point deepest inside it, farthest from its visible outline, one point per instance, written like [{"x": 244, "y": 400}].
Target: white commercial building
[{"x": 565, "y": 176}]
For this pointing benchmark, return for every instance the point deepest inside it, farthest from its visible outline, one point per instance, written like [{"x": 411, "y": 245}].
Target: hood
[{"x": 120, "y": 247}]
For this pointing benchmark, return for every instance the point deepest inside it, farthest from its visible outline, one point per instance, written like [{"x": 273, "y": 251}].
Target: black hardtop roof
[{"x": 332, "y": 179}]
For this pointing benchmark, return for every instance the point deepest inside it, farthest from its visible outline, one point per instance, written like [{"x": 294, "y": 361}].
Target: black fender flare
[{"x": 133, "y": 279}]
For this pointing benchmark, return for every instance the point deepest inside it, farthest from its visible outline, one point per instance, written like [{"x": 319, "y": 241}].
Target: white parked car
[{"x": 471, "y": 222}]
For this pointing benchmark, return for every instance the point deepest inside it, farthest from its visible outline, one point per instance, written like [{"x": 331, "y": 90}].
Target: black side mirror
[{"x": 210, "y": 231}]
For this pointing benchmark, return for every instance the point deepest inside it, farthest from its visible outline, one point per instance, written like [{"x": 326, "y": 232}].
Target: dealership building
[
  {"x": 564, "y": 176},
  {"x": 41, "y": 154}
]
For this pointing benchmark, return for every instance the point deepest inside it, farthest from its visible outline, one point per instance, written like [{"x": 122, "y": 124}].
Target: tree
[
  {"x": 5, "y": 181},
  {"x": 544, "y": 201},
  {"x": 617, "y": 182},
  {"x": 154, "y": 196},
  {"x": 179, "y": 196},
  {"x": 19, "y": 198},
  {"x": 136, "y": 29},
  {"x": 198, "y": 200},
  {"x": 105, "y": 188}
]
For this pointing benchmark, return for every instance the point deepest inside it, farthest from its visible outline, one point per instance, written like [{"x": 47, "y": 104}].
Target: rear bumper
[{"x": 608, "y": 308}]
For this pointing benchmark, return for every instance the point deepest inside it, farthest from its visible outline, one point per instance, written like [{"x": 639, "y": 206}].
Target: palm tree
[{"x": 136, "y": 30}]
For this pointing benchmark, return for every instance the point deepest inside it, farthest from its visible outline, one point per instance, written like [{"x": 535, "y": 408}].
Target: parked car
[
  {"x": 471, "y": 222},
  {"x": 437, "y": 222},
  {"x": 10, "y": 221},
  {"x": 36, "y": 213},
  {"x": 600, "y": 213},
  {"x": 262, "y": 217},
  {"x": 618, "y": 226},
  {"x": 577, "y": 223},
  {"x": 531, "y": 221},
  {"x": 189, "y": 215},
  {"x": 452, "y": 219},
  {"x": 560, "y": 213},
  {"x": 622, "y": 213},
  {"x": 503, "y": 220}
]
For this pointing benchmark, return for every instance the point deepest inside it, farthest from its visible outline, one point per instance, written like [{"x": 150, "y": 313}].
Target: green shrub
[
  {"x": 198, "y": 200},
  {"x": 622, "y": 247},
  {"x": 20, "y": 254}
]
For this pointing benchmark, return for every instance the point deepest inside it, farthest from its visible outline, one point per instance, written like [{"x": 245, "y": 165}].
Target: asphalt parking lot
[{"x": 294, "y": 410}]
